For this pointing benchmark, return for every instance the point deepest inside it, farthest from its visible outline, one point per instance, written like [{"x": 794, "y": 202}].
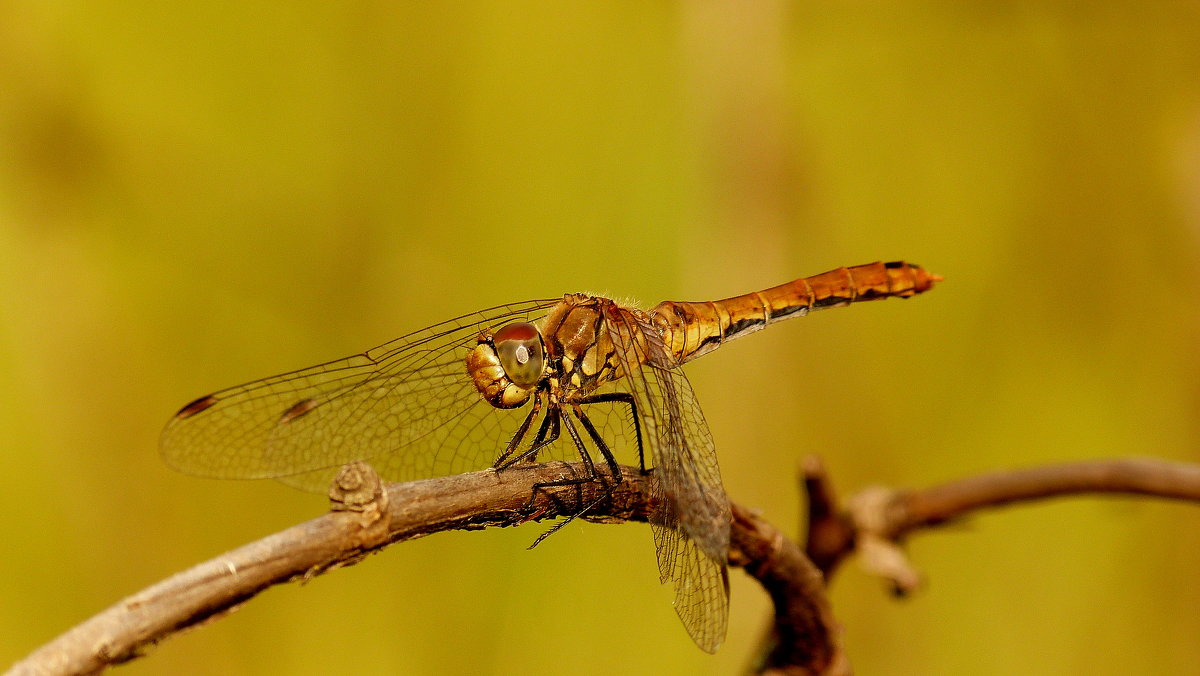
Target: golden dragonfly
[{"x": 498, "y": 387}]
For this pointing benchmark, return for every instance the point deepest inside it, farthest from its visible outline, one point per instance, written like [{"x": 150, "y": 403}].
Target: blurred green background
[{"x": 195, "y": 195}]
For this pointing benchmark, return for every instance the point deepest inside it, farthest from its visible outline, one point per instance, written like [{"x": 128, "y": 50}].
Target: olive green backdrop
[{"x": 194, "y": 195}]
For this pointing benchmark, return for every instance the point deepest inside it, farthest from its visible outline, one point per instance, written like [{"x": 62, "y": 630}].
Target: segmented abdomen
[{"x": 692, "y": 329}]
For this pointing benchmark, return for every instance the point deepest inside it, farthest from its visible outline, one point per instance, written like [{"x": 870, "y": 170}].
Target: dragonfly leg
[
  {"x": 600, "y": 445},
  {"x": 609, "y": 459},
  {"x": 583, "y": 455},
  {"x": 575, "y": 482},
  {"x": 521, "y": 432},
  {"x": 541, "y": 440},
  {"x": 623, "y": 398}
]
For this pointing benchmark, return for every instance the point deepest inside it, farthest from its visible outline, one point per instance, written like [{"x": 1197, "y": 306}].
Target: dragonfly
[{"x": 577, "y": 377}]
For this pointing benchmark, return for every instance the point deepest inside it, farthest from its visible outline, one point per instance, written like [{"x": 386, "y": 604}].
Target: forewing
[
  {"x": 691, "y": 525},
  {"x": 407, "y": 407}
]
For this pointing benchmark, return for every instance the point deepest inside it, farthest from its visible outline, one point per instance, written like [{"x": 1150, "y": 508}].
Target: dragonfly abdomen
[{"x": 694, "y": 329}]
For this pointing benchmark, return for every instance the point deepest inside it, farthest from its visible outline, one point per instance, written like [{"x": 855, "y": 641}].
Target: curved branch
[
  {"x": 368, "y": 516},
  {"x": 805, "y": 635}
]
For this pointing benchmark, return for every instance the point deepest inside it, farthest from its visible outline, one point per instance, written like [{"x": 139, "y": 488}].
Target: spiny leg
[
  {"x": 540, "y": 441},
  {"x": 623, "y": 398},
  {"x": 577, "y": 410},
  {"x": 521, "y": 432},
  {"x": 583, "y": 455},
  {"x": 600, "y": 445},
  {"x": 547, "y": 434}
]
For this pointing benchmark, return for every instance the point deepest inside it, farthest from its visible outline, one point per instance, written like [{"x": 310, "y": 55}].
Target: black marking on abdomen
[
  {"x": 788, "y": 310},
  {"x": 831, "y": 301},
  {"x": 708, "y": 340},
  {"x": 744, "y": 326}
]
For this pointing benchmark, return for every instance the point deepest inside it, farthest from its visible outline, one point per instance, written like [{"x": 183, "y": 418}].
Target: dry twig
[{"x": 876, "y": 521}]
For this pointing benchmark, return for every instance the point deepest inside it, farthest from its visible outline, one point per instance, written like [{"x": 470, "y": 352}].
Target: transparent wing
[
  {"x": 691, "y": 527},
  {"x": 407, "y": 407}
]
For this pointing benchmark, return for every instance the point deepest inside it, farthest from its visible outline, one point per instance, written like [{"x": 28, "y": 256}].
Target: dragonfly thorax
[{"x": 507, "y": 366}]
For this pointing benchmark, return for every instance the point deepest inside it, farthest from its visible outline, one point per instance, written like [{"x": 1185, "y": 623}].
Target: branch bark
[
  {"x": 368, "y": 516},
  {"x": 876, "y": 521}
]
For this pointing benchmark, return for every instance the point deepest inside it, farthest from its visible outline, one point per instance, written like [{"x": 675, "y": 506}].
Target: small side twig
[
  {"x": 876, "y": 521},
  {"x": 830, "y": 530}
]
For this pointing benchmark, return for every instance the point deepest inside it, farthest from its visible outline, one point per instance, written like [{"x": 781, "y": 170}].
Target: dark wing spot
[
  {"x": 196, "y": 406},
  {"x": 297, "y": 409}
]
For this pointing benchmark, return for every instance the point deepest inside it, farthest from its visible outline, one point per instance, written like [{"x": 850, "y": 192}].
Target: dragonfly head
[{"x": 507, "y": 366}]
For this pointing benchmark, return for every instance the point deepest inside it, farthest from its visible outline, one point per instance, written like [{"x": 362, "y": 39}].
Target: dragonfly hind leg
[{"x": 620, "y": 398}]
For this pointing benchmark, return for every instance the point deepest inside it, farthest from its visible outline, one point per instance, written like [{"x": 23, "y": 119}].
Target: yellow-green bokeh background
[{"x": 193, "y": 195}]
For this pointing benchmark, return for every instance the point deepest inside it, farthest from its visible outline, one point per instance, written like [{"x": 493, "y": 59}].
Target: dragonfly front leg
[
  {"x": 550, "y": 426},
  {"x": 583, "y": 454},
  {"x": 520, "y": 434}
]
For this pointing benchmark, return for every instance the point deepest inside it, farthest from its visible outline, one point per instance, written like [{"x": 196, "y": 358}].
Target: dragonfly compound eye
[
  {"x": 519, "y": 346},
  {"x": 506, "y": 366}
]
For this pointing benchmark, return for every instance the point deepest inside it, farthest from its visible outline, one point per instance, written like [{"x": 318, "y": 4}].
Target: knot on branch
[{"x": 357, "y": 489}]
